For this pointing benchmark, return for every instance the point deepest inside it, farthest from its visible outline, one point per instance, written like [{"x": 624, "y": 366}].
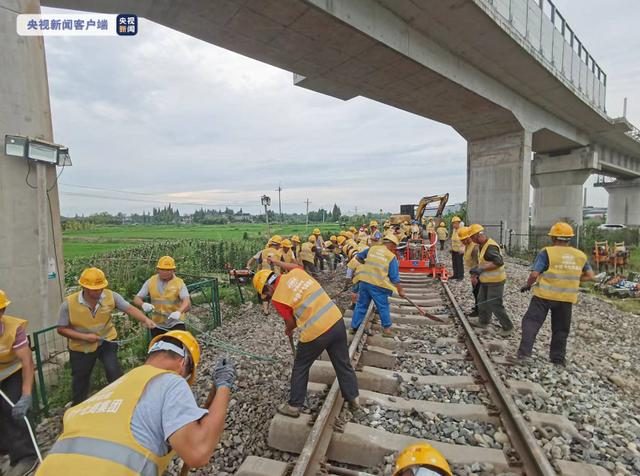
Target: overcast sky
[{"x": 166, "y": 117}]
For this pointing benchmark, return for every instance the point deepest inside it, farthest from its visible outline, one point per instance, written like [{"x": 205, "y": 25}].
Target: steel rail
[
  {"x": 532, "y": 457},
  {"x": 315, "y": 448}
]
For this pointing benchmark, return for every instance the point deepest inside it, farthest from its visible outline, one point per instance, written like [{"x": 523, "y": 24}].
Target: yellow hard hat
[
  {"x": 286, "y": 243},
  {"x": 392, "y": 238},
  {"x": 455, "y": 219},
  {"x": 93, "y": 278},
  {"x": 422, "y": 455},
  {"x": 189, "y": 343},
  {"x": 260, "y": 279},
  {"x": 561, "y": 230},
  {"x": 341, "y": 239},
  {"x": 312, "y": 238},
  {"x": 342, "y": 233},
  {"x": 406, "y": 222},
  {"x": 373, "y": 223},
  {"x": 349, "y": 234},
  {"x": 295, "y": 239},
  {"x": 386, "y": 224},
  {"x": 333, "y": 238},
  {"x": 443, "y": 223},
  {"x": 4, "y": 299},
  {"x": 275, "y": 240},
  {"x": 166, "y": 262},
  {"x": 463, "y": 232},
  {"x": 353, "y": 229},
  {"x": 474, "y": 229},
  {"x": 316, "y": 231}
]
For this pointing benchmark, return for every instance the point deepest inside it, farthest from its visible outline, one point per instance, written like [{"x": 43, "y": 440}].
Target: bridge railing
[{"x": 555, "y": 44}]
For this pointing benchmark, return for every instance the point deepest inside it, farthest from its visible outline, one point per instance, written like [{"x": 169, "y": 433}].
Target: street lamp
[{"x": 266, "y": 202}]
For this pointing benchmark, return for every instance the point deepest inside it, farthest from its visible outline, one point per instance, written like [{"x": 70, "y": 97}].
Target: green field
[{"x": 107, "y": 238}]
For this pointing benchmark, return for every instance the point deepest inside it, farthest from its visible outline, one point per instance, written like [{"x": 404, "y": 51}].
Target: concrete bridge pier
[
  {"x": 624, "y": 202},
  {"x": 499, "y": 173},
  {"x": 557, "y": 182}
]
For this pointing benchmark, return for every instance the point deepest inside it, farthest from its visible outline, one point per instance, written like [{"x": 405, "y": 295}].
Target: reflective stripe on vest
[
  {"x": 167, "y": 301},
  {"x": 82, "y": 320},
  {"x": 497, "y": 275},
  {"x": 108, "y": 450},
  {"x": 375, "y": 269},
  {"x": 313, "y": 309},
  {"x": 10, "y": 363},
  {"x": 561, "y": 281}
]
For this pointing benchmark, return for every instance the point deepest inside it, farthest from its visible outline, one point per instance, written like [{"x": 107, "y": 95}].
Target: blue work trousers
[{"x": 380, "y": 296}]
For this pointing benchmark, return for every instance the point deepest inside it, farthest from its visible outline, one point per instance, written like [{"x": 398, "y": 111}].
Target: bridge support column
[
  {"x": 30, "y": 232},
  {"x": 558, "y": 187},
  {"x": 499, "y": 171},
  {"x": 624, "y": 202}
]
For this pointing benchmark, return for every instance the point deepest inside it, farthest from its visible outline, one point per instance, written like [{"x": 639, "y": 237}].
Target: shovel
[{"x": 423, "y": 312}]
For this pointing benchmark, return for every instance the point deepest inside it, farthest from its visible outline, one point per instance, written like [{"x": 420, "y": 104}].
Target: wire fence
[{"x": 51, "y": 355}]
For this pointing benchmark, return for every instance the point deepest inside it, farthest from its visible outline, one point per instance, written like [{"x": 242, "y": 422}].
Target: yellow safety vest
[
  {"x": 167, "y": 301},
  {"x": 561, "y": 282},
  {"x": 97, "y": 437},
  {"x": 356, "y": 266},
  {"x": 497, "y": 275},
  {"x": 470, "y": 261},
  {"x": 456, "y": 243},
  {"x": 375, "y": 269},
  {"x": 81, "y": 320},
  {"x": 274, "y": 254},
  {"x": 442, "y": 232},
  {"x": 313, "y": 309},
  {"x": 306, "y": 253},
  {"x": 10, "y": 363},
  {"x": 288, "y": 257}
]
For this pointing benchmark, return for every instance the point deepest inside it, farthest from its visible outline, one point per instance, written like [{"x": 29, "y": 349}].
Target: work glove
[
  {"x": 476, "y": 270},
  {"x": 21, "y": 408},
  {"x": 174, "y": 318},
  {"x": 224, "y": 373},
  {"x": 525, "y": 288},
  {"x": 146, "y": 307}
]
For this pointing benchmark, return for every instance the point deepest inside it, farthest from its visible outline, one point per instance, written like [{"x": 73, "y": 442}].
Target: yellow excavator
[{"x": 416, "y": 212}]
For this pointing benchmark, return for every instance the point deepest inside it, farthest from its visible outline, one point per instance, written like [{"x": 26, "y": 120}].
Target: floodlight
[
  {"x": 15, "y": 145},
  {"x": 36, "y": 149}
]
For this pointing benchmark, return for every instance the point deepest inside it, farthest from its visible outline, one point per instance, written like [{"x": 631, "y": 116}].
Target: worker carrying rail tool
[
  {"x": 137, "y": 424},
  {"x": 555, "y": 278},
  {"x": 16, "y": 382},
  {"x": 168, "y": 295},
  {"x": 86, "y": 321},
  {"x": 303, "y": 304},
  {"x": 492, "y": 276},
  {"x": 421, "y": 459},
  {"x": 377, "y": 279}
]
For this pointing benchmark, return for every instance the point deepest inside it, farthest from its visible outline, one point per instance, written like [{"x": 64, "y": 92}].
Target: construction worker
[
  {"x": 295, "y": 240},
  {"x": 139, "y": 423},
  {"x": 303, "y": 304},
  {"x": 353, "y": 267},
  {"x": 555, "y": 278},
  {"x": 86, "y": 320},
  {"x": 457, "y": 250},
  {"x": 318, "y": 250},
  {"x": 378, "y": 279},
  {"x": 272, "y": 250},
  {"x": 287, "y": 252},
  {"x": 307, "y": 255},
  {"x": 169, "y": 297},
  {"x": 339, "y": 248},
  {"x": 16, "y": 382},
  {"x": 443, "y": 234},
  {"x": 421, "y": 459},
  {"x": 470, "y": 261},
  {"x": 328, "y": 252},
  {"x": 492, "y": 276}
]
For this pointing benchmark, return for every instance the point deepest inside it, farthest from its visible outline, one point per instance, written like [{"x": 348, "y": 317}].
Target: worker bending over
[
  {"x": 140, "y": 422},
  {"x": 470, "y": 261},
  {"x": 492, "y": 276},
  {"x": 86, "y": 321},
  {"x": 169, "y": 297},
  {"x": 16, "y": 382},
  {"x": 456, "y": 250},
  {"x": 421, "y": 459},
  {"x": 555, "y": 277},
  {"x": 303, "y": 304},
  {"x": 378, "y": 279}
]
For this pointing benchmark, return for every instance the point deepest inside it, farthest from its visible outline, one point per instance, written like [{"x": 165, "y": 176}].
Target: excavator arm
[{"x": 425, "y": 201}]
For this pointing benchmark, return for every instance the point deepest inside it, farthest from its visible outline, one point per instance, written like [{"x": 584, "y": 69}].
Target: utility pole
[
  {"x": 279, "y": 189},
  {"x": 266, "y": 201},
  {"x": 307, "y": 224}
]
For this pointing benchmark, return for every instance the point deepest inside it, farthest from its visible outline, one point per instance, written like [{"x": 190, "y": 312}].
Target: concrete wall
[
  {"x": 624, "y": 202},
  {"x": 29, "y": 215},
  {"x": 498, "y": 182}
]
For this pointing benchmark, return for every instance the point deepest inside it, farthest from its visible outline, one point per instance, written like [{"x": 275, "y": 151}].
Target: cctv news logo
[{"x": 77, "y": 24}]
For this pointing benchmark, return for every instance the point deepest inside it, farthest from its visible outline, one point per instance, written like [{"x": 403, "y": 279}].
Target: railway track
[{"x": 402, "y": 383}]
